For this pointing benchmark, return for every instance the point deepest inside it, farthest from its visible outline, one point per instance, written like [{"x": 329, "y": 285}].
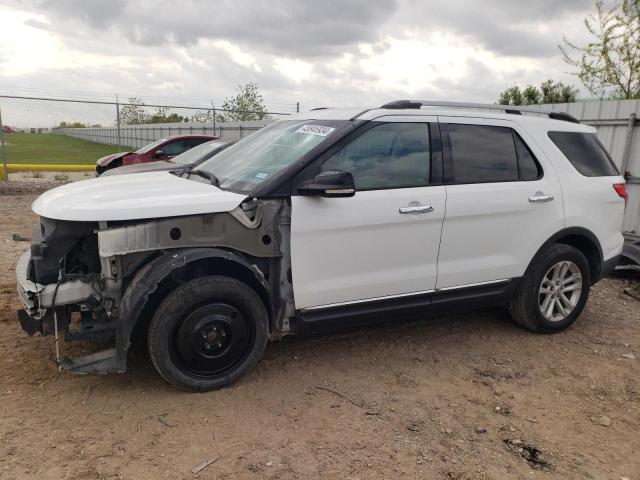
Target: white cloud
[
  {"x": 295, "y": 69},
  {"x": 356, "y": 53}
]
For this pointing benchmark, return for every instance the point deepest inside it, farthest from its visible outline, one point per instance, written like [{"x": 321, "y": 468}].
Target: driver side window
[
  {"x": 176, "y": 148},
  {"x": 390, "y": 155}
]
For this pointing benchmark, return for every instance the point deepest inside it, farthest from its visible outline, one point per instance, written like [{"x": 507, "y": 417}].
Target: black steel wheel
[{"x": 208, "y": 333}]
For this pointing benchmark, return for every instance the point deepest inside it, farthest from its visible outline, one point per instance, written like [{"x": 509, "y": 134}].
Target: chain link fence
[{"x": 39, "y": 127}]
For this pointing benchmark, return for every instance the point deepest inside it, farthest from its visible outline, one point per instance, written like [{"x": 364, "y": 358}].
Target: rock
[
  {"x": 19, "y": 238},
  {"x": 511, "y": 429},
  {"x": 629, "y": 355},
  {"x": 269, "y": 464},
  {"x": 448, "y": 431},
  {"x": 498, "y": 409},
  {"x": 481, "y": 430},
  {"x": 603, "y": 420}
]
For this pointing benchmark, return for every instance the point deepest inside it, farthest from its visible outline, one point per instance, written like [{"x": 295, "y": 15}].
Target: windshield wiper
[{"x": 213, "y": 180}]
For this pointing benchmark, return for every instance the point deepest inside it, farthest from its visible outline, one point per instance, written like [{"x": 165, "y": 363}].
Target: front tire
[
  {"x": 208, "y": 333},
  {"x": 553, "y": 291}
]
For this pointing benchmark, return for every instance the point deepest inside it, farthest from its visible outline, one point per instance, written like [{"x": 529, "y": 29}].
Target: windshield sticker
[
  {"x": 261, "y": 175},
  {"x": 319, "y": 130}
]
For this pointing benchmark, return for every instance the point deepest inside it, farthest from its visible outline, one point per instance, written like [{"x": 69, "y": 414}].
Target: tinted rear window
[
  {"x": 482, "y": 154},
  {"x": 585, "y": 153}
]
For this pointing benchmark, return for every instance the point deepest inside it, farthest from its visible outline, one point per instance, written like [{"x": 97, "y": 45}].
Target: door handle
[
  {"x": 540, "y": 198},
  {"x": 416, "y": 209}
]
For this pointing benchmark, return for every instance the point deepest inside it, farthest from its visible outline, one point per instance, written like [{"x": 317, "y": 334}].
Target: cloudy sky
[{"x": 320, "y": 53}]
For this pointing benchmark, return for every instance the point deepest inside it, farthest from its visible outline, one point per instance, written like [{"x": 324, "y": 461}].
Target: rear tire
[
  {"x": 208, "y": 333},
  {"x": 553, "y": 291}
]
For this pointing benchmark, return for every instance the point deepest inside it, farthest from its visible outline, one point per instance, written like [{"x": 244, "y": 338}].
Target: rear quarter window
[{"x": 585, "y": 153}]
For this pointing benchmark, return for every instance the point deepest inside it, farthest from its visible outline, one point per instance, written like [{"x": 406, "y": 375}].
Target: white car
[{"x": 332, "y": 216}]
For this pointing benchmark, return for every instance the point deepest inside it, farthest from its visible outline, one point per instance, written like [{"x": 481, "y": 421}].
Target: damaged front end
[{"x": 96, "y": 281}]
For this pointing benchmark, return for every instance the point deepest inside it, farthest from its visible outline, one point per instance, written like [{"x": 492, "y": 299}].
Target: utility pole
[
  {"x": 5, "y": 175},
  {"x": 297, "y": 107}
]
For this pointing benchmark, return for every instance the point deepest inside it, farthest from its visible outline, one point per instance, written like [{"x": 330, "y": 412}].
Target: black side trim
[
  {"x": 477, "y": 296},
  {"x": 580, "y": 232},
  {"x": 363, "y": 311},
  {"x": 459, "y": 299}
]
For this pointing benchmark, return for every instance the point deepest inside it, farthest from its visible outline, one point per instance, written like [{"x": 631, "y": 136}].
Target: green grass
[{"x": 44, "y": 148}]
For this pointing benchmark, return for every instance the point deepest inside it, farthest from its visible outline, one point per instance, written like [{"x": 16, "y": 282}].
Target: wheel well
[
  {"x": 588, "y": 248},
  {"x": 197, "y": 268}
]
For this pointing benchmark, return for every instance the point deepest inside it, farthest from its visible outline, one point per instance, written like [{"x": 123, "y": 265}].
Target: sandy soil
[{"x": 400, "y": 400}]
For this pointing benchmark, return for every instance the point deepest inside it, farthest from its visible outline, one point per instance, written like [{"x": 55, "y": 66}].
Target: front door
[{"x": 383, "y": 241}]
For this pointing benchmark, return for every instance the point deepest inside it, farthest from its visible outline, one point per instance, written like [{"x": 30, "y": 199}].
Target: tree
[
  {"x": 70, "y": 125},
  {"x": 609, "y": 65},
  {"x": 133, "y": 113},
  {"x": 549, "y": 92},
  {"x": 248, "y": 104},
  {"x": 162, "y": 116}
]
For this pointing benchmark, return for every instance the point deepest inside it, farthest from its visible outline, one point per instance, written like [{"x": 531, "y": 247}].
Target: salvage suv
[{"x": 331, "y": 217}]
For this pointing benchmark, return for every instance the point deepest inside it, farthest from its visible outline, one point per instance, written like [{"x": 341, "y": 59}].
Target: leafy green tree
[
  {"x": 204, "y": 116},
  {"x": 609, "y": 65},
  {"x": 162, "y": 116},
  {"x": 133, "y": 113},
  {"x": 549, "y": 92},
  {"x": 70, "y": 125},
  {"x": 247, "y": 104}
]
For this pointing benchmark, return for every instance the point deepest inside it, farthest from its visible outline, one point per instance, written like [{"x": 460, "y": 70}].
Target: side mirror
[
  {"x": 158, "y": 154},
  {"x": 332, "y": 183}
]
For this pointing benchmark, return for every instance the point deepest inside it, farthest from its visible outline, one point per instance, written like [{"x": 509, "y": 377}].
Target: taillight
[{"x": 621, "y": 190}]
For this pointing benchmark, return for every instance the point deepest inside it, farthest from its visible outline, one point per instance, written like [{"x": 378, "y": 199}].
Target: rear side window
[
  {"x": 585, "y": 153},
  {"x": 528, "y": 167},
  {"x": 486, "y": 154}
]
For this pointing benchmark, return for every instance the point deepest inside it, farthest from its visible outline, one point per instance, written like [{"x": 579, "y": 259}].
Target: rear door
[
  {"x": 383, "y": 242},
  {"x": 503, "y": 201}
]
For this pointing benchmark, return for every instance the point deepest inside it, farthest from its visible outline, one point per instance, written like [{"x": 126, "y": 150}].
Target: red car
[
  {"x": 8, "y": 129},
  {"x": 162, "y": 149}
]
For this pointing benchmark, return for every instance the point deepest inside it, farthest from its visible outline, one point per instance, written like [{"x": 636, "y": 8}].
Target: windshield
[
  {"x": 204, "y": 150},
  {"x": 262, "y": 154},
  {"x": 151, "y": 146}
]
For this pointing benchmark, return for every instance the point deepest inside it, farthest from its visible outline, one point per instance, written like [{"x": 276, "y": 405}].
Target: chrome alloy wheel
[{"x": 560, "y": 291}]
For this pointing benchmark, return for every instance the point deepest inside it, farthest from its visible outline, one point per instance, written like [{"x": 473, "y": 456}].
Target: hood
[
  {"x": 142, "y": 167},
  {"x": 104, "y": 161},
  {"x": 134, "y": 197}
]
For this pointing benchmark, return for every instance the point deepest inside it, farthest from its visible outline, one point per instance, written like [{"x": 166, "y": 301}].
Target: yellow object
[{"x": 33, "y": 167}]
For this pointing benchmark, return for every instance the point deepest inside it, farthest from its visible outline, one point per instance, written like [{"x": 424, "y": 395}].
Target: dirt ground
[{"x": 400, "y": 400}]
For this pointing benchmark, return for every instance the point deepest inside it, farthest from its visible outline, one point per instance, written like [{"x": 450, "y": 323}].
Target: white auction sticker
[{"x": 319, "y": 130}]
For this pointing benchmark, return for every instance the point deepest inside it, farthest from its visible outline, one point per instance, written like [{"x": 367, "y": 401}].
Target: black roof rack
[{"x": 513, "y": 109}]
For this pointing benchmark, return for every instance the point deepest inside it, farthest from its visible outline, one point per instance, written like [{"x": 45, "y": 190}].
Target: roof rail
[{"x": 514, "y": 109}]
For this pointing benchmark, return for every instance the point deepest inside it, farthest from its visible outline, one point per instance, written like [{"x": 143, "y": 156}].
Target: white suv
[{"x": 333, "y": 216}]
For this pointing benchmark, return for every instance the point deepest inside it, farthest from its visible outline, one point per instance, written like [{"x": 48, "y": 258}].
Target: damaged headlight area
[
  {"x": 62, "y": 273},
  {"x": 96, "y": 281}
]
